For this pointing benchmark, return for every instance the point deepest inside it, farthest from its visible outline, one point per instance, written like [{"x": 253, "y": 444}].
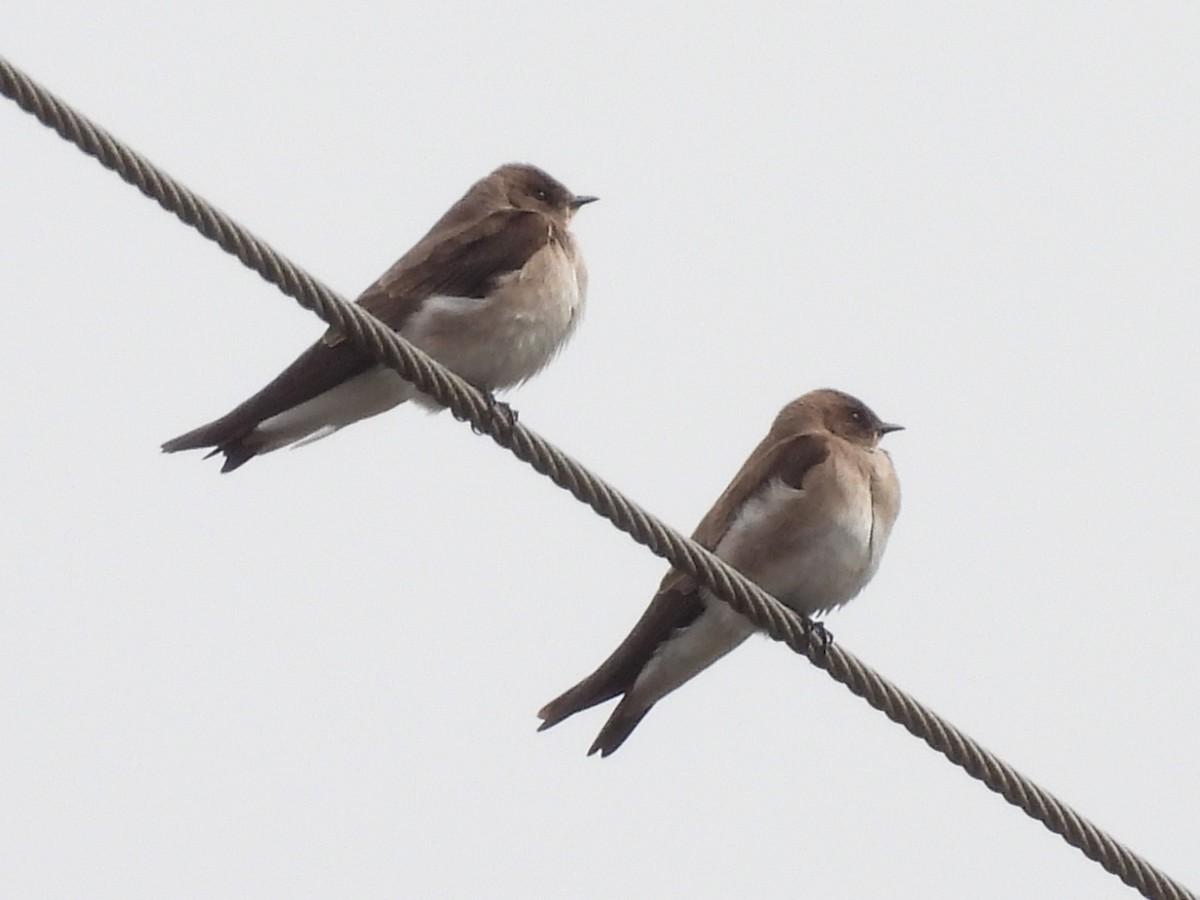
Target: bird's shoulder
[
  {"x": 789, "y": 457},
  {"x": 464, "y": 261}
]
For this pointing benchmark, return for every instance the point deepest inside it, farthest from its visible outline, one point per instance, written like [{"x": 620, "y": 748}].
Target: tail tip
[{"x": 237, "y": 453}]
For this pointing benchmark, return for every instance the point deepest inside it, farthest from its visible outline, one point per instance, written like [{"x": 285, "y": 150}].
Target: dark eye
[{"x": 542, "y": 194}]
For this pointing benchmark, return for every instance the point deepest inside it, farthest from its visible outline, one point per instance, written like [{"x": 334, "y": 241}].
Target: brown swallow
[
  {"x": 492, "y": 291},
  {"x": 807, "y": 519}
]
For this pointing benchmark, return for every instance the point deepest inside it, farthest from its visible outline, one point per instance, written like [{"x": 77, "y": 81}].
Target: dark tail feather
[
  {"x": 318, "y": 369},
  {"x": 235, "y": 455},
  {"x": 223, "y": 437},
  {"x": 676, "y": 605},
  {"x": 618, "y": 727}
]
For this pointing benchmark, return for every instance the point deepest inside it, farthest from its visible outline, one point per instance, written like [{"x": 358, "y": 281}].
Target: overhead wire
[{"x": 488, "y": 417}]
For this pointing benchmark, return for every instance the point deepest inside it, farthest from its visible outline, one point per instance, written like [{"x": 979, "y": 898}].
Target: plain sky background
[{"x": 318, "y": 676}]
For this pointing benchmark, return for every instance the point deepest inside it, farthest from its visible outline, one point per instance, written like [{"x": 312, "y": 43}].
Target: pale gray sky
[{"x": 319, "y": 676}]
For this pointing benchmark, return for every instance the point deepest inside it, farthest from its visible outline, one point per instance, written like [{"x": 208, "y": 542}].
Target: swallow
[
  {"x": 806, "y": 518},
  {"x": 493, "y": 291}
]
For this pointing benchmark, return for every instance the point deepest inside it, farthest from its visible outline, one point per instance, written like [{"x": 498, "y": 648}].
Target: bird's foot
[
  {"x": 504, "y": 417},
  {"x": 819, "y": 635}
]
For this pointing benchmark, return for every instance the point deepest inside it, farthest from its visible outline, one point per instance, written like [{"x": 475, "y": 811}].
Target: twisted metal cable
[{"x": 469, "y": 404}]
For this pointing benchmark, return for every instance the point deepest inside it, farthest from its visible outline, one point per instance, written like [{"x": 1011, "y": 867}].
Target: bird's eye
[{"x": 542, "y": 194}]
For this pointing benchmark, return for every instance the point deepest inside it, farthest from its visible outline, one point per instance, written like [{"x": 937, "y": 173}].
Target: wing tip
[
  {"x": 616, "y": 730},
  {"x": 593, "y": 690}
]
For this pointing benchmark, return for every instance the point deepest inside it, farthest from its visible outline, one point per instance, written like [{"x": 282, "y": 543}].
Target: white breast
[
  {"x": 502, "y": 340},
  {"x": 813, "y": 550}
]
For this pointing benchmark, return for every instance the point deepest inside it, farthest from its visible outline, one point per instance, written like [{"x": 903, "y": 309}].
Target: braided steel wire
[{"x": 496, "y": 420}]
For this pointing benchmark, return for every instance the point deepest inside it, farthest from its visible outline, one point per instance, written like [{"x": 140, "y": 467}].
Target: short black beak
[
  {"x": 581, "y": 200},
  {"x": 888, "y": 428}
]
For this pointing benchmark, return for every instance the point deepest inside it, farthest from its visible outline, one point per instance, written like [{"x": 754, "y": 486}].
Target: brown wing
[
  {"x": 465, "y": 263},
  {"x": 318, "y": 369},
  {"x": 788, "y": 457},
  {"x": 677, "y": 603},
  {"x": 668, "y": 611}
]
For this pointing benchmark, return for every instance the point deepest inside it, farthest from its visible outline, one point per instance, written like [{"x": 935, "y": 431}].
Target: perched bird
[
  {"x": 806, "y": 518},
  {"x": 492, "y": 291}
]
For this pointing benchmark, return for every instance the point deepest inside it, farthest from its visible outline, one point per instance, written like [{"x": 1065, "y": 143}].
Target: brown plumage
[
  {"x": 492, "y": 290},
  {"x": 807, "y": 518}
]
